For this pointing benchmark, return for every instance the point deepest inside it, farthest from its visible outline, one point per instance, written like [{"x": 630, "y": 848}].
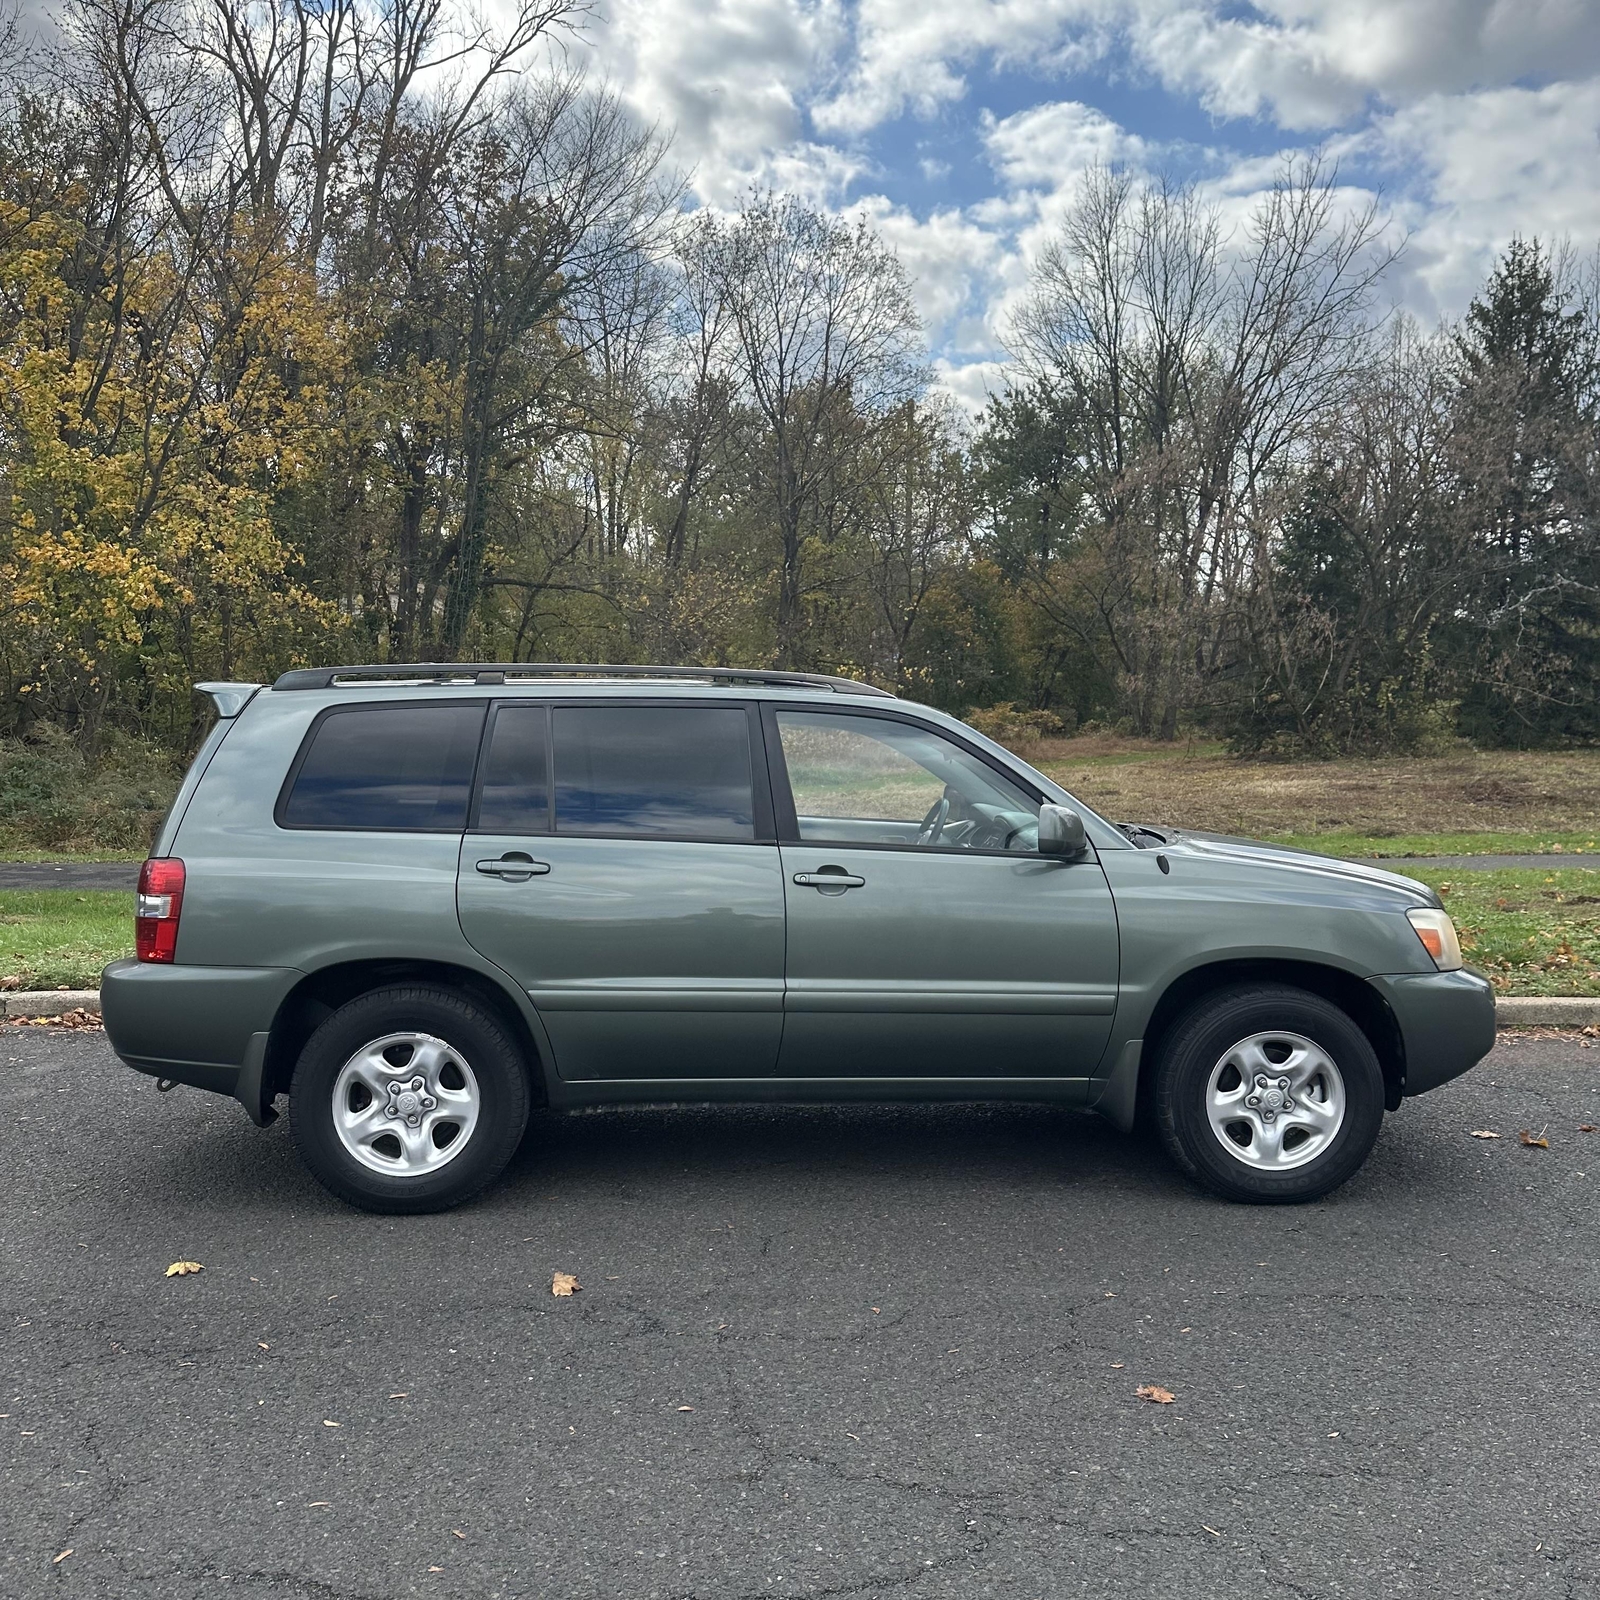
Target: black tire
[
  {"x": 1199, "y": 1044},
  {"x": 497, "y": 1089}
]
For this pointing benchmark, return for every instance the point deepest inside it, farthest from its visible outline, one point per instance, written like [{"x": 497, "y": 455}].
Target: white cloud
[
  {"x": 910, "y": 53},
  {"x": 726, "y": 78},
  {"x": 954, "y": 265},
  {"x": 1484, "y": 167},
  {"x": 1429, "y": 94},
  {"x": 1050, "y": 145}
]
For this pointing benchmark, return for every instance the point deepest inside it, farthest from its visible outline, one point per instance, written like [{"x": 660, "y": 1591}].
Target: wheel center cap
[
  {"x": 408, "y": 1101},
  {"x": 1273, "y": 1099}
]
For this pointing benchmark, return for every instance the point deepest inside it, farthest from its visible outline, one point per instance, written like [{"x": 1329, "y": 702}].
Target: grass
[
  {"x": 1529, "y": 932},
  {"x": 1468, "y": 803},
  {"x": 59, "y": 938}
]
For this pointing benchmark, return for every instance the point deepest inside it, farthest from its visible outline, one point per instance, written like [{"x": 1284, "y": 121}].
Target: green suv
[{"x": 420, "y": 900}]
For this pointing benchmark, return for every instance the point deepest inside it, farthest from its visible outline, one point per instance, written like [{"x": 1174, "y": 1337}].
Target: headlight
[{"x": 1438, "y": 935}]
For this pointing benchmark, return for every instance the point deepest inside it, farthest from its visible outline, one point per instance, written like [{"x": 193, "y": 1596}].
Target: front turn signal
[{"x": 1438, "y": 935}]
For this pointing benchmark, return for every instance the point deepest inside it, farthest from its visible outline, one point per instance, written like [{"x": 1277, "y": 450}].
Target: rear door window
[
  {"x": 405, "y": 768},
  {"x": 669, "y": 771},
  {"x": 515, "y": 797}
]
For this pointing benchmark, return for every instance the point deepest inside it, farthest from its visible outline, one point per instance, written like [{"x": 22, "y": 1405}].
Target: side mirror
[{"x": 1061, "y": 832}]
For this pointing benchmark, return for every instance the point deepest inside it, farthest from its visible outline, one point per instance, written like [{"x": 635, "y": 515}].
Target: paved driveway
[{"x": 816, "y": 1352}]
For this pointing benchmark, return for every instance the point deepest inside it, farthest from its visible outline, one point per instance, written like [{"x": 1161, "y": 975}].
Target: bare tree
[
  {"x": 823, "y": 320},
  {"x": 1195, "y": 364}
]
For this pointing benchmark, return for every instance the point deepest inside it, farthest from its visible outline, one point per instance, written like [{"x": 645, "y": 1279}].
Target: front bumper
[
  {"x": 1446, "y": 1022},
  {"x": 204, "y": 1026}
]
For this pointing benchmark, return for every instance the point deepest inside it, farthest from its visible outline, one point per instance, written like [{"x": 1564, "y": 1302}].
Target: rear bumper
[
  {"x": 204, "y": 1026},
  {"x": 1446, "y": 1023}
]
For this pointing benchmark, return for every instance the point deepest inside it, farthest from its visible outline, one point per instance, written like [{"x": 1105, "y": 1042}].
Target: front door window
[{"x": 875, "y": 780}]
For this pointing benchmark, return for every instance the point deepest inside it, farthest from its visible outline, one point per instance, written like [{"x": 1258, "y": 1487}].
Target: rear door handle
[
  {"x": 514, "y": 869},
  {"x": 828, "y": 880}
]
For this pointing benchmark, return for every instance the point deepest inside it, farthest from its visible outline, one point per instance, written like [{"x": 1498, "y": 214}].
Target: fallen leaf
[
  {"x": 686, "y": 1408},
  {"x": 1155, "y": 1394},
  {"x": 182, "y": 1269},
  {"x": 67, "y": 1019},
  {"x": 1536, "y": 1141},
  {"x": 1116, "y": 1364},
  {"x": 261, "y": 1344},
  {"x": 327, "y": 1424},
  {"x": 1586, "y": 1127},
  {"x": 1212, "y": 1531},
  {"x": 403, "y": 1394},
  {"x": 435, "y": 1569},
  {"x": 1484, "y": 1133},
  {"x": 563, "y": 1284},
  {"x": 60, "y": 1558},
  {"x": 458, "y": 1533},
  {"x": 311, "y": 1505}
]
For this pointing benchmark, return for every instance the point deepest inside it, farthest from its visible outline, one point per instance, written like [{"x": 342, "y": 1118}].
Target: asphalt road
[{"x": 910, "y": 1339}]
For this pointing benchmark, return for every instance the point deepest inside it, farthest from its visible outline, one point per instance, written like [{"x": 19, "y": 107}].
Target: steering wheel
[{"x": 933, "y": 823}]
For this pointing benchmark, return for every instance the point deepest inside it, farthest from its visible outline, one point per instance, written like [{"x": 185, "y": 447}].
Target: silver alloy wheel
[
  {"x": 1275, "y": 1101},
  {"x": 406, "y": 1104}
]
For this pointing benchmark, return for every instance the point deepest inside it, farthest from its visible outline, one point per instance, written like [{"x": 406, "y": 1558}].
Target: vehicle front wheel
[
  {"x": 408, "y": 1099},
  {"x": 1268, "y": 1093}
]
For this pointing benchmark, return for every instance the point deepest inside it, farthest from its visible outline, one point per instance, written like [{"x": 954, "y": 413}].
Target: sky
[{"x": 961, "y": 127}]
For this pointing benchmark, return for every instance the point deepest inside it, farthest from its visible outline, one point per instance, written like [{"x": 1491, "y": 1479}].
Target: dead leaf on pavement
[
  {"x": 563, "y": 1284},
  {"x": 182, "y": 1269},
  {"x": 1155, "y": 1394},
  {"x": 67, "y": 1019},
  {"x": 1484, "y": 1133},
  {"x": 327, "y": 1424},
  {"x": 686, "y": 1408},
  {"x": 1536, "y": 1140},
  {"x": 60, "y": 1558},
  {"x": 1586, "y": 1127}
]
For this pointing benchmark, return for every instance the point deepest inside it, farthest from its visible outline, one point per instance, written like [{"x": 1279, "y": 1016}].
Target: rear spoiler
[{"x": 229, "y": 698}]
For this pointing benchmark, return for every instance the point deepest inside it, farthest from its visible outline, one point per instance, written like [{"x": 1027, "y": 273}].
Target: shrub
[
  {"x": 1014, "y": 726},
  {"x": 52, "y": 798}
]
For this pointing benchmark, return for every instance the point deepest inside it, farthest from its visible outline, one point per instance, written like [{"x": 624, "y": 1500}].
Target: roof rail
[{"x": 496, "y": 672}]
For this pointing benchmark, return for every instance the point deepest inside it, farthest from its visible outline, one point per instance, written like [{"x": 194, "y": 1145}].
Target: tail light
[{"x": 155, "y": 922}]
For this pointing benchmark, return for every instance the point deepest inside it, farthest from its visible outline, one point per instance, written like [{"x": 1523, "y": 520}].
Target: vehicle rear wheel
[
  {"x": 1268, "y": 1093},
  {"x": 408, "y": 1099}
]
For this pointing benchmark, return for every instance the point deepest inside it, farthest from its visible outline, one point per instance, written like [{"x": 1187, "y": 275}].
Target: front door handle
[
  {"x": 828, "y": 880},
  {"x": 514, "y": 868}
]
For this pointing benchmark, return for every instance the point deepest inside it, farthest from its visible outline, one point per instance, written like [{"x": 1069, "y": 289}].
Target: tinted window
[
  {"x": 388, "y": 767},
  {"x": 516, "y": 786},
  {"x": 676, "y": 770}
]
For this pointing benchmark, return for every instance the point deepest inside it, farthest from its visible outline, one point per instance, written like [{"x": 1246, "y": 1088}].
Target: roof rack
[{"x": 497, "y": 672}]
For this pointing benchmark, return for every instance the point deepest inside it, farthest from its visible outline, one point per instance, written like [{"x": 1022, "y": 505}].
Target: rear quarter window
[{"x": 405, "y": 768}]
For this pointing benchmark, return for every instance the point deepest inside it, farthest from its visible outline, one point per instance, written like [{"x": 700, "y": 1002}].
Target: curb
[
  {"x": 48, "y": 1002},
  {"x": 1515, "y": 1011},
  {"x": 1534, "y": 1011}
]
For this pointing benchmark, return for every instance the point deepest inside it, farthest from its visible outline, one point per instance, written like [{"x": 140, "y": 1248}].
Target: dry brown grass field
[{"x": 1509, "y": 800}]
